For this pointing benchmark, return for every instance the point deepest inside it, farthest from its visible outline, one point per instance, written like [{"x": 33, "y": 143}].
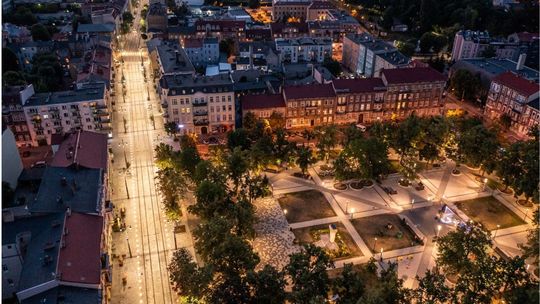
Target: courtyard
[
  {"x": 305, "y": 206},
  {"x": 489, "y": 212},
  {"x": 386, "y": 231}
]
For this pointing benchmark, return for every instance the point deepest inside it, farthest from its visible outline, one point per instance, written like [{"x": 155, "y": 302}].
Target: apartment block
[
  {"x": 84, "y": 108},
  {"x": 282, "y": 10},
  {"x": 199, "y": 104},
  {"x": 395, "y": 95},
  {"x": 367, "y": 56},
  {"x": 516, "y": 97},
  {"x": 303, "y": 49},
  {"x": 201, "y": 51}
]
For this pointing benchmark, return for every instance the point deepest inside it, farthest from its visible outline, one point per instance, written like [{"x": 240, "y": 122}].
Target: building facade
[
  {"x": 515, "y": 97},
  {"x": 364, "y": 55},
  {"x": 85, "y": 108},
  {"x": 13, "y": 113},
  {"x": 200, "y": 104},
  {"x": 202, "y": 51},
  {"x": 304, "y": 49},
  {"x": 283, "y": 10}
]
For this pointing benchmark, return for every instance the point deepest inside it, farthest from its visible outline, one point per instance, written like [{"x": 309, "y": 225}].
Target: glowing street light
[
  {"x": 285, "y": 211},
  {"x": 498, "y": 226},
  {"x": 439, "y": 227},
  {"x": 352, "y": 212},
  {"x": 375, "y": 244},
  {"x": 381, "y": 253}
]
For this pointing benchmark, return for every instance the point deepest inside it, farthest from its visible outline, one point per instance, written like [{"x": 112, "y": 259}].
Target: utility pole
[
  {"x": 127, "y": 189},
  {"x": 129, "y": 248}
]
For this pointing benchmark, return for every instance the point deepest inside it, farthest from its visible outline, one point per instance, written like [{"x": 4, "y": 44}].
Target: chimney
[{"x": 521, "y": 61}]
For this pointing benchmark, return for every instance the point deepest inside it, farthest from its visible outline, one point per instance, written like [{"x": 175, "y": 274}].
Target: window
[
  {"x": 211, "y": 108},
  {"x": 230, "y": 107},
  {"x": 188, "y": 110},
  {"x": 224, "y": 108},
  {"x": 211, "y": 99},
  {"x": 174, "y": 102},
  {"x": 224, "y": 117},
  {"x": 230, "y": 117},
  {"x": 175, "y": 111},
  {"x": 229, "y": 98},
  {"x": 4, "y": 267},
  {"x": 222, "y": 98}
]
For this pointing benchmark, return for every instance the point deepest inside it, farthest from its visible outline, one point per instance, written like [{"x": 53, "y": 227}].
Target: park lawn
[
  {"x": 489, "y": 212},
  {"x": 305, "y": 206},
  {"x": 305, "y": 236},
  {"x": 372, "y": 227}
]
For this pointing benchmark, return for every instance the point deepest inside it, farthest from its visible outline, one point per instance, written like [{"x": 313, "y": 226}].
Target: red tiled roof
[
  {"x": 412, "y": 75},
  {"x": 193, "y": 43},
  {"x": 527, "y": 37},
  {"x": 88, "y": 149},
  {"x": 309, "y": 91},
  {"x": 359, "y": 85},
  {"x": 80, "y": 260},
  {"x": 257, "y": 102},
  {"x": 517, "y": 83}
]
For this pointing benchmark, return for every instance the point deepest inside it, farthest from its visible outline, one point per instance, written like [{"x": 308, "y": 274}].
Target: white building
[
  {"x": 11, "y": 160},
  {"x": 202, "y": 52},
  {"x": 84, "y": 108},
  {"x": 364, "y": 55},
  {"x": 296, "y": 50},
  {"x": 200, "y": 104}
]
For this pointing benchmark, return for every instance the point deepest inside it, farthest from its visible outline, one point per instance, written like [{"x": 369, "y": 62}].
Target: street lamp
[
  {"x": 347, "y": 207},
  {"x": 439, "y": 227},
  {"x": 381, "y": 253},
  {"x": 352, "y": 212},
  {"x": 526, "y": 213},
  {"x": 498, "y": 226},
  {"x": 285, "y": 211},
  {"x": 129, "y": 248},
  {"x": 375, "y": 244}
]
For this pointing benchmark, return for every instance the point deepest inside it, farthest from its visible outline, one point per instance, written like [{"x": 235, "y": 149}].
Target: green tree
[
  {"x": 465, "y": 85},
  {"x": 171, "y": 184},
  {"x": 326, "y": 139},
  {"x": 531, "y": 249},
  {"x": 40, "y": 32},
  {"x": 479, "y": 146},
  {"x": 509, "y": 167},
  {"x": 171, "y": 128},
  {"x": 332, "y": 65},
  {"x": 127, "y": 18},
  {"x": 267, "y": 286},
  {"x": 250, "y": 121},
  {"x": 349, "y": 286},
  {"x": 506, "y": 121},
  {"x": 237, "y": 166},
  {"x": 47, "y": 73},
  {"x": 307, "y": 272},
  {"x": 304, "y": 158},
  {"x": 10, "y": 62},
  {"x": 164, "y": 155},
  {"x": 432, "y": 42},
  {"x": 238, "y": 138},
  {"x": 276, "y": 121},
  {"x": 189, "y": 279},
  {"x": 12, "y": 78},
  {"x": 527, "y": 182},
  {"x": 406, "y": 48},
  {"x": 432, "y": 289},
  {"x": 363, "y": 159}
]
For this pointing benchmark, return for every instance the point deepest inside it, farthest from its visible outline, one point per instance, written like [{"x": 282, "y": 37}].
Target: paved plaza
[{"x": 419, "y": 208}]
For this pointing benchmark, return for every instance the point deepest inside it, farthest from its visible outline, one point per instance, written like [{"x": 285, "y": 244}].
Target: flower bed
[{"x": 340, "y": 186}]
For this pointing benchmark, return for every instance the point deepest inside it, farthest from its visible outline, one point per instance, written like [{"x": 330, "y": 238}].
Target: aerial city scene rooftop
[{"x": 270, "y": 151}]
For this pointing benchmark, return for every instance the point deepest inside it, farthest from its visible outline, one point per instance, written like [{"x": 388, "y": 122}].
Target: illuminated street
[{"x": 148, "y": 241}]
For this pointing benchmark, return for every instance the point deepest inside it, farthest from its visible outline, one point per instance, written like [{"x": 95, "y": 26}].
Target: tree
[
  {"x": 47, "y": 73},
  {"x": 506, "y": 121},
  {"x": 406, "y": 48},
  {"x": 40, "y": 32},
  {"x": 304, "y": 158},
  {"x": 171, "y": 128},
  {"x": 489, "y": 52},
  {"x": 254, "y": 4},
  {"x": 479, "y": 147},
  {"x": 13, "y": 78},
  {"x": 171, "y": 184},
  {"x": 189, "y": 279},
  {"x": 127, "y": 18},
  {"x": 276, "y": 120},
  {"x": 237, "y": 166},
  {"x": 238, "y": 138},
  {"x": 267, "y": 286},
  {"x": 22, "y": 16},
  {"x": 164, "y": 155},
  {"x": 250, "y": 121},
  {"x": 307, "y": 272},
  {"x": 364, "y": 158},
  {"x": 326, "y": 139},
  {"x": 465, "y": 85},
  {"x": 527, "y": 181},
  {"x": 432, "y": 288},
  {"x": 431, "y": 42},
  {"x": 349, "y": 286},
  {"x": 10, "y": 62},
  {"x": 7, "y": 193},
  {"x": 332, "y": 65},
  {"x": 509, "y": 165},
  {"x": 227, "y": 46}
]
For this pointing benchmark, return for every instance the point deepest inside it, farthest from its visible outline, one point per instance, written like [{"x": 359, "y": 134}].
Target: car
[
  {"x": 39, "y": 164},
  {"x": 26, "y": 154},
  {"x": 361, "y": 127}
]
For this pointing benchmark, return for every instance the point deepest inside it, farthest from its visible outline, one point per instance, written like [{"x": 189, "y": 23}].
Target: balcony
[
  {"x": 101, "y": 113},
  {"x": 200, "y": 104},
  {"x": 201, "y": 112},
  {"x": 200, "y": 122}
]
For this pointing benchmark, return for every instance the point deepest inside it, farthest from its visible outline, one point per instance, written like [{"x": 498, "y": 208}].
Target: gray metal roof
[
  {"x": 173, "y": 58},
  {"x": 66, "y": 294},
  {"x": 498, "y": 66},
  {"x": 89, "y": 92},
  {"x": 80, "y": 191}
]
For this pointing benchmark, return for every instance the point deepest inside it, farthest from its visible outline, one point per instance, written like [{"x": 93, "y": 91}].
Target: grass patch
[
  {"x": 399, "y": 236},
  {"x": 305, "y": 206},
  {"x": 347, "y": 246},
  {"x": 489, "y": 212}
]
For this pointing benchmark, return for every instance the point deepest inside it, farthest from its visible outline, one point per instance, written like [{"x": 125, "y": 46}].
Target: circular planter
[
  {"x": 472, "y": 168},
  {"x": 367, "y": 183},
  {"x": 507, "y": 191},
  {"x": 340, "y": 186},
  {"x": 524, "y": 203},
  {"x": 456, "y": 172},
  {"x": 403, "y": 183},
  {"x": 356, "y": 185}
]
